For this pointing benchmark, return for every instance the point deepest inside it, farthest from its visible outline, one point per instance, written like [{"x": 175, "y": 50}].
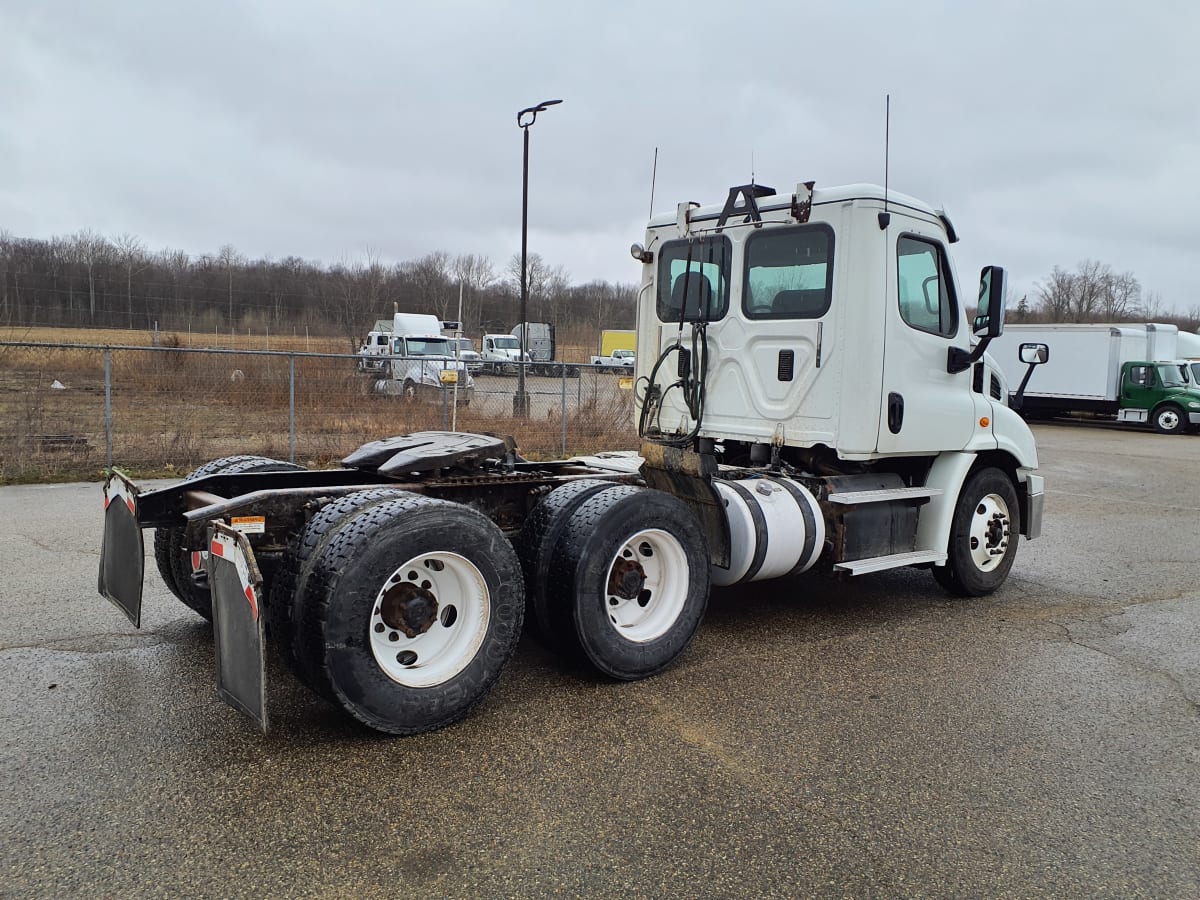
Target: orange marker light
[{"x": 983, "y": 423}]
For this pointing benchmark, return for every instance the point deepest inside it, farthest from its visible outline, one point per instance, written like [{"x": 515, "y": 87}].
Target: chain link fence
[{"x": 71, "y": 410}]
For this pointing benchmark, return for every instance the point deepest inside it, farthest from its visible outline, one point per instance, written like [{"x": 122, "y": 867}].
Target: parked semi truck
[
  {"x": 502, "y": 352},
  {"x": 800, "y": 410},
  {"x": 424, "y": 362},
  {"x": 542, "y": 348},
  {"x": 1129, "y": 372}
]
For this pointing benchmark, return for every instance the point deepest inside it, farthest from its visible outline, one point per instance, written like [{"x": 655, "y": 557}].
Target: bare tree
[
  {"x": 6, "y": 241},
  {"x": 545, "y": 283},
  {"x": 1152, "y": 306},
  {"x": 1121, "y": 298},
  {"x": 476, "y": 274},
  {"x": 428, "y": 280},
  {"x": 132, "y": 254},
  {"x": 92, "y": 251},
  {"x": 229, "y": 257}
]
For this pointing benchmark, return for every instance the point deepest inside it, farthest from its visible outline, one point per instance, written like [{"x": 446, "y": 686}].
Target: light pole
[{"x": 525, "y": 118}]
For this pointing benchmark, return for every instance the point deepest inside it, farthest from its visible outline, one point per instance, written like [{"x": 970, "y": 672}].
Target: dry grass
[
  {"x": 173, "y": 411},
  {"x": 117, "y": 337}
]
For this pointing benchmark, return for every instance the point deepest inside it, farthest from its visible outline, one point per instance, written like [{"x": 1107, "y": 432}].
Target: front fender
[{"x": 1013, "y": 436}]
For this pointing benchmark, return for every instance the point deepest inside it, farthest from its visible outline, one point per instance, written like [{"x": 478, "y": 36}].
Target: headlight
[{"x": 1192, "y": 404}]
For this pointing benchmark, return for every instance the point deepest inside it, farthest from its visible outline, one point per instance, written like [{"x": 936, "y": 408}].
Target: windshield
[
  {"x": 1173, "y": 376},
  {"x": 465, "y": 345},
  {"x": 507, "y": 343},
  {"x": 622, "y": 354},
  {"x": 429, "y": 347},
  {"x": 1196, "y": 372}
]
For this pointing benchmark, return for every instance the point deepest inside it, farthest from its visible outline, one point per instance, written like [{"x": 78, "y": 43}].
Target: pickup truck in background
[{"x": 620, "y": 362}]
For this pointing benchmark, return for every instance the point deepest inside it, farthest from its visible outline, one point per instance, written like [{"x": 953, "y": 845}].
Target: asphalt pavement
[{"x": 870, "y": 737}]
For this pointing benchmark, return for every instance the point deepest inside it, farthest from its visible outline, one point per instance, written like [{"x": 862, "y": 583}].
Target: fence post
[
  {"x": 445, "y": 409},
  {"x": 564, "y": 409},
  {"x": 291, "y": 407},
  {"x": 108, "y": 407}
]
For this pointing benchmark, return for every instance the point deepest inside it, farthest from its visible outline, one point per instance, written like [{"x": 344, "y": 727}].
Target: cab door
[
  {"x": 1140, "y": 389},
  {"x": 924, "y": 408}
]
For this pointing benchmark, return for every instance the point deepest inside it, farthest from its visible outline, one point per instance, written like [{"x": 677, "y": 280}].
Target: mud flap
[
  {"x": 122, "y": 553},
  {"x": 236, "y": 585}
]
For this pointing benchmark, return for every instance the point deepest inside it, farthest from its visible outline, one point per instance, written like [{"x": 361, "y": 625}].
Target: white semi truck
[
  {"x": 811, "y": 396},
  {"x": 424, "y": 362}
]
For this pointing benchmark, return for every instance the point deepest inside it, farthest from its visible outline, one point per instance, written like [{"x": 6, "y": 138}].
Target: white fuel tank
[{"x": 775, "y": 528}]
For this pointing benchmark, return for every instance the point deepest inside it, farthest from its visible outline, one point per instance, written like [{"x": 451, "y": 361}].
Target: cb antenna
[
  {"x": 653, "y": 177},
  {"x": 752, "y": 166},
  {"x": 885, "y": 217}
]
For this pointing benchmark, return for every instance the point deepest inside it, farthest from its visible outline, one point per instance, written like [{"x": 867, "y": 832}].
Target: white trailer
[{"x": 1085, "y": 360}]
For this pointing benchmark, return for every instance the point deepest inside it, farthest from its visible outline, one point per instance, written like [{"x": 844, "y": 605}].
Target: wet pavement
[{"x": 866, "y": 738}]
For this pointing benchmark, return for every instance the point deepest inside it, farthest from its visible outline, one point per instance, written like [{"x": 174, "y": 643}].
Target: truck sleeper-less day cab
[{"x": 809, "y": 395}]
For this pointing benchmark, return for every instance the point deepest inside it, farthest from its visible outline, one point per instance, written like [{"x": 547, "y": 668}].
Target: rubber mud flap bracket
[
  {"x": 122, "y": 553},
  {"x": 236, "y": 585}
]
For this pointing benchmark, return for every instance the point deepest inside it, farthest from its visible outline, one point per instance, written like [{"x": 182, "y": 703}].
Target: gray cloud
[{"x": 1051, "y": 132}]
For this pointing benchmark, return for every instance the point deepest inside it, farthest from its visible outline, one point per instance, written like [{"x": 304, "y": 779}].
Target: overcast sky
[{"x": 1050, "y": 131}]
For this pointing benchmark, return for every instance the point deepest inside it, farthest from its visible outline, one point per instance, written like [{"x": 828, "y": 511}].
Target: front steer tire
[
  {"x": 1169, "y": 419},
  {"x": 411, "y": 609},
  {"x": 984, "y": 534}
]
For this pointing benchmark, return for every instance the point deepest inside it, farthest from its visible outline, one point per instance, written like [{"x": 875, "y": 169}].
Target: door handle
[{"x": 895, "y": 410}]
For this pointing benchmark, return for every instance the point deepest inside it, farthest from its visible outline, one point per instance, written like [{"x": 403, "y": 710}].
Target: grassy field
[
  {"x": 172, "y": 411},
  {"x": 294, "y": 342},
  {"x": 117, "y": 337}
]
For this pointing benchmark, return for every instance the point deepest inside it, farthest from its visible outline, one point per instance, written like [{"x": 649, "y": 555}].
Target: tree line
[
  {"x": 1094, "y": 292},
  {"x": 92, "y": 281},
  {"x": 89, "y": 280}
]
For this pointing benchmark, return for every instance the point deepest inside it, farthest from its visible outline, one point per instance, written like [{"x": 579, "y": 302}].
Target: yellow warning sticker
[{"x": 249, "y": 524}]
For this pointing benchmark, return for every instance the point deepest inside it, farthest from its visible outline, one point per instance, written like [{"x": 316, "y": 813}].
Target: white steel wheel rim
[
  {"x": 654, "y": 608},
  {"x": 990, "y": 532},
  {"x": 1168, "y": 419},
  {"x": 454, "y": 635}
]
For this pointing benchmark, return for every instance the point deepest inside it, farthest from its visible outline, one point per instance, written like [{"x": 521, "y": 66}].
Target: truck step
[
  {"x": 908, "y": 493},
  {"x": 895, "y": 561}
]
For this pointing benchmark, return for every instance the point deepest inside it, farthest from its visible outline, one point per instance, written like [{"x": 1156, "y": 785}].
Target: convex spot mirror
[
  {"x": 993, "y": 288},
  {"x": 1034, "y": 354}
]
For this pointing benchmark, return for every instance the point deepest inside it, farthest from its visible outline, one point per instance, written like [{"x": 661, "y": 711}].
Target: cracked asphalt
[{"x": 820, "y": 738}]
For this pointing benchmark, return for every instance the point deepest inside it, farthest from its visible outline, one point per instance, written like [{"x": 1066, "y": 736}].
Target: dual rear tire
[
  {"x": 616, "y": 576},
  {"x": 404, "y": 609}
]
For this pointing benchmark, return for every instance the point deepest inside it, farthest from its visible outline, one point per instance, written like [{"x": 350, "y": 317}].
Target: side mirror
[
  {"x": 1034, "y": 354},
  {"x": 993, "y": 288},
  {"x": 989, "y": 322}
]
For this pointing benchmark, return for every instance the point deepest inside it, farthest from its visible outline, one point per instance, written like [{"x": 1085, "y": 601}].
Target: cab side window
[
  {"x": 926, "y": 293},
  {"x": 1141, "y": 376}
]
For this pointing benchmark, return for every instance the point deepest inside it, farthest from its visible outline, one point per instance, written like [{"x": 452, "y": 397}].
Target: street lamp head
[{"x": 532, "y": 111}]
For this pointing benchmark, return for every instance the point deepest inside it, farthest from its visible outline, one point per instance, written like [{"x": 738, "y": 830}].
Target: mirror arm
[
  {"x": 959, "y": 360},
  {"x": 1017, "y": 400}
]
